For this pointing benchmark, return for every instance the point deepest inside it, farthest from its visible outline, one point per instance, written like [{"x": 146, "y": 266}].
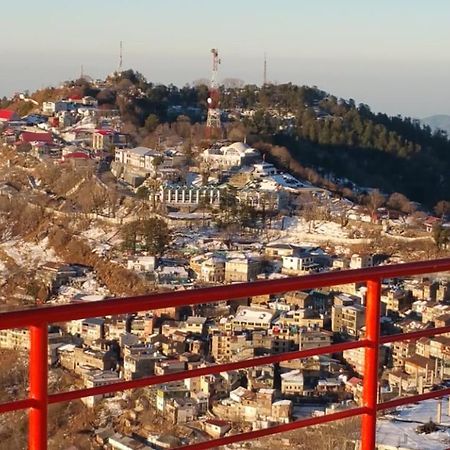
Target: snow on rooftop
[
  {"x": 91, "y": 298},
  {"x": 67, "y": 348},
  {"x": 253, "y": 314}
]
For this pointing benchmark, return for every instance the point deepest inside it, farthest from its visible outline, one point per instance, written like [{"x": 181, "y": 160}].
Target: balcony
[{"x": 37, "y": 320}]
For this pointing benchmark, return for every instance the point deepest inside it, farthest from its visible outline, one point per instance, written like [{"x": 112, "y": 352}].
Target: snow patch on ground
[
  {"x": 101, "y": 240},
  {"x": 299, "y": 231},
  {"x": 398, "y": 429},
  {"x": 87, "y": 290},
  {"x": 29, "y": 254}
]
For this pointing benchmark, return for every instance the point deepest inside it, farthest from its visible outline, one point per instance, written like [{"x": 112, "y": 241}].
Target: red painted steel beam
[
  {"x": 370, "y": 379},
  {"x": 414, "y": 335},
  {"x": 37, "y": 320},
  {"x": 413, "y": 399},
  {"x": 38, "y": 373},
  {"x": 17, "y": 405},
  {"x": 208, "y": 370},
  {"x": 251, "y": 435},
  {"x": 63, "y": 313}
]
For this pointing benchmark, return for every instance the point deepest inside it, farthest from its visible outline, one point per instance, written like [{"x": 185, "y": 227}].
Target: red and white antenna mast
[{"x": 213, "y": 124}]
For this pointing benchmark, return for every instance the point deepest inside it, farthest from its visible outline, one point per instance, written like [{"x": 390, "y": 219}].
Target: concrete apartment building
[
  {"x": 104, "y": 360},
  {"x": 96, "y": 378},
  {"x": 306, "y": 318},
  {"x": 241, "y": 270},
  {"x": 310, "y": 338},
  {"x": 347, "y": 316},
  {"x": 195, "y": 325},
  {"x": 299, "y": 263},
  {"x": 292, "y": 383},
  {"x": 355, "y": 358},
  {"x": 139, "y": 365},
  {"x": 252, "y": 318},
  {"x": 231, "y": 347},
  {"x": 360, "y": 261},
  {"x": 139, "y": 158},
  {"x": 402, "y": 350},
  {"x": 212, "y": 270},
  {"x": 92, "y": 329}
]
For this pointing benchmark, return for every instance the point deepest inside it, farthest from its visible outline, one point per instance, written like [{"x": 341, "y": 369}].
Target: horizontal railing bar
[
  {"x": 63, "y": 313},
  {"x": 413, "y": 335},
  {"x": 16, "y": 405},
  {"x": 277, "y": 429},
  {"x": 200, "y": 371},
  {"x": 413, "y": 399}
]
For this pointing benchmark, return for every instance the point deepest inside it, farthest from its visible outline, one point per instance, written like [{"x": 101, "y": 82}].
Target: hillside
[{"x": 333, "y": 136}]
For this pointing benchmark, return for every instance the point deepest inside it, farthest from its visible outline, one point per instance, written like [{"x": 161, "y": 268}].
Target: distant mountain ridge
[{"x": 439, "y": 121}]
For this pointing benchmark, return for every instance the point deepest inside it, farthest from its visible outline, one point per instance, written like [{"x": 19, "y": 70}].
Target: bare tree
[
  {"x": 374, "y": 200},
  {"x": 442, "y": 208},
  {"x": 401, "y": 203}
]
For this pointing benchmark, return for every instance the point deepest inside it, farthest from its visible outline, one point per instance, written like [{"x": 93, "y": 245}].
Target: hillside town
[{"x": 130, "y": 218}]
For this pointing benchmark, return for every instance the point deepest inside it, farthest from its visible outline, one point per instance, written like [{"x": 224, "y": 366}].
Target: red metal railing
[{"x": 38, "y": 319}]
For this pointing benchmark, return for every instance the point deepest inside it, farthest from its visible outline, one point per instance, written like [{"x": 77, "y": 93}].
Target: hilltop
[{"x": 335, "y": 138}]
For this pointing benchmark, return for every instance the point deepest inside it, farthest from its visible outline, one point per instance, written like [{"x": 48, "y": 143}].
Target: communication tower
[
  {"x": 120, "y": 57},
  {"x": 213, "y": 124},
  {"x": 265, "y": 70}
]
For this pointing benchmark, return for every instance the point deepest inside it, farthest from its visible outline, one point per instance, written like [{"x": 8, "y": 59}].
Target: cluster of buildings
[
  {"x": 108, "y": 349},
  {"x": 183, "y": 185},
  {"x": 72, "y": 129},
  {"x": 104, "y": 350}
]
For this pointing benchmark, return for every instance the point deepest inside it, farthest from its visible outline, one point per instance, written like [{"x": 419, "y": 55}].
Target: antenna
[
  {"x": 265, "y": 70},
  {"x": 120, "y": 56},
  {"x": 82, "y": 72},
  {"x": 213, "y": 123}
]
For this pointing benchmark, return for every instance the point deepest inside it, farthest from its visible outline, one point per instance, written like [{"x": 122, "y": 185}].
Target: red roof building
[
  {"x": 7, "y": 115},
  {"x": 31, "y": 136},
  {"x": 105, "y": 132},
  {"x": 430, "y": 222},
  {"x": 76, "y": 155}
]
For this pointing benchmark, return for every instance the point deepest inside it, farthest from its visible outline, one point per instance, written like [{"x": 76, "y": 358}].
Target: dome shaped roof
[{"x": 239, "y": 146}]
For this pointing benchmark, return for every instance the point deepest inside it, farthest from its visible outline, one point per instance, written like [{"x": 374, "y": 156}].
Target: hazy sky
[{"x": 392, "y": 54}]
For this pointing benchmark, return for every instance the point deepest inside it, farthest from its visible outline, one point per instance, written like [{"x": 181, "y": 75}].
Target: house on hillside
[
  {"x": 77, "y": 159},
  {"x": 6, "y": 115},
  {"x": 431, "y": 222},
  {"x": 232, "y": 156}
]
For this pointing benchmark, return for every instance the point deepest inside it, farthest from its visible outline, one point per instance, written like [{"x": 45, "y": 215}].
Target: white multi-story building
[
  {"x": 50, "y": 108},
  {"x": 251, "y": 318},
  {"x": 264, "y": 169},
  {"x": 361, "y": 261},
  {"x": 213, "y": 270},
  {"x": 141, "y": 158},
  {"x": 95, "y": 378},
  {"x": 141, "y": 263},
  {"x": 300, "y": 262},
  {"x": 189, "y": 195},
  {"x": 292, "y": 383},
  {"x": 234, "y": 155}
]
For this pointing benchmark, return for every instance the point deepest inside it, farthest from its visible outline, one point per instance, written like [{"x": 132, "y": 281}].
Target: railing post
[
  {"x": 370, "y": 382},
  {"x": 38, "y": 374}
]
